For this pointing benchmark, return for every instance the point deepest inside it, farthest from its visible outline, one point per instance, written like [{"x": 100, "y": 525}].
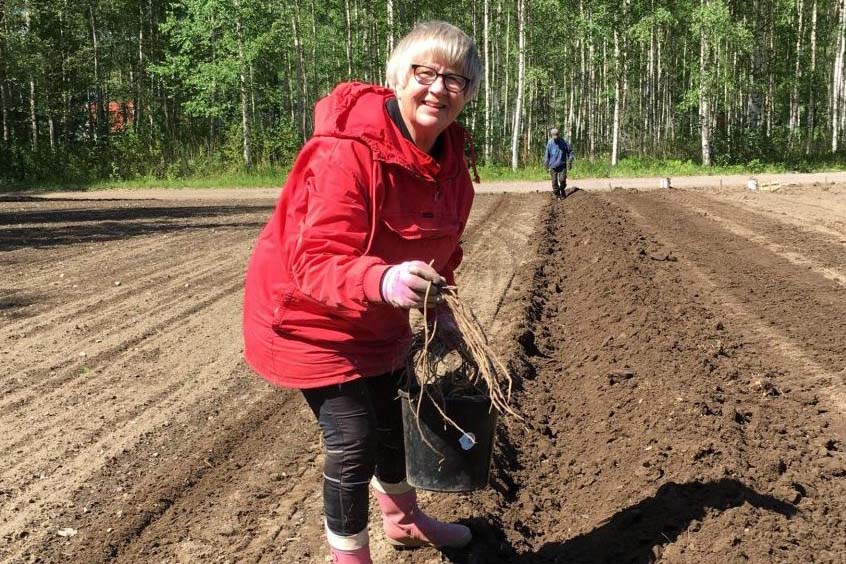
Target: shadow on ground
[{"x": 629, "y": 537}]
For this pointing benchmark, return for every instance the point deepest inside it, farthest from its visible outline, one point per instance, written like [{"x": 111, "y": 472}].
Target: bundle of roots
[{"x": 445, "y": 364}]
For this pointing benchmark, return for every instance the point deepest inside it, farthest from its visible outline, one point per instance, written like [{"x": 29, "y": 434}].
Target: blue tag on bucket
[{"x": 467, "y": 441}]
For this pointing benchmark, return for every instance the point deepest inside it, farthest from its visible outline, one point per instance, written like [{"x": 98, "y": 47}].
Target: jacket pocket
[
  {"x": 421, "y": 225},
  {"x": 295, "y": 312},
  {"x": 281, "y": 306}
]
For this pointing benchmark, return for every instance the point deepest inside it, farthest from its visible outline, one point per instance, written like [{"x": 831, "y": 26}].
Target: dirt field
[{"x": 680, "y": 358}]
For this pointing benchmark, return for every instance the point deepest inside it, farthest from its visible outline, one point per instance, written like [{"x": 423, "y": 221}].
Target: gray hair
[{"x": 443, "y": 42}]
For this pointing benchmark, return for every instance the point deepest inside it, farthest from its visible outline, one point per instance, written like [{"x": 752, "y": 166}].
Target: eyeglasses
[{"x": 453, "y": 82}]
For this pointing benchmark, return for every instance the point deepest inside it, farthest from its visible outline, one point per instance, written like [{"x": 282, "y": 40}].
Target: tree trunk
[
  {"x": 4, "y": 108},
  {"x": 649, "y": 116},
  {"x": 521, "y": 78},
  {"x": 809, "y": 138},
  {"x": 837, "y": 86},
  {"x": 33, "y": 121},
  {"x": 51, "y": 129},
  {"x": 591, "y": 114},
  {"x": 704, "y": 107},
  {"x": 293, "y": 94},
  {"x": 487, "y": 47},
  {"x": 349, "y": 38},
  {"x": 506, "y": 84},
  {"x": 615, "y": 131},
  {"x": 530, "y": 103},
  {"x": 245, "y": 123},
  {"x": 302, "y": 94},
  {"x": 795, "y": 118},
  {"x": 390, "y": 17},
  {"x": 246, "y": 128},
  {"x": 138, "y": 107},
  {"x": 770, "y": 96},
  {"x": 5, "y": 111}
]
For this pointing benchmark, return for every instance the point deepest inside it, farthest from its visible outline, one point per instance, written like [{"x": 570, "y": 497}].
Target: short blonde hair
[{"x": 442, "y": 41}]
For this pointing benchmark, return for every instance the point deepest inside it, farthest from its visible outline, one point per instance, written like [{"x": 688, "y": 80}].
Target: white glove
[{"x": 404, "y": 285}]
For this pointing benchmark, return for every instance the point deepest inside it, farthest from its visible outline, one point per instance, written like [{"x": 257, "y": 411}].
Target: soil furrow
[
  {"x": 650, "y": 436},
  {"x": 64, "y": 371},
  {"x": 149, "y": 281},
  {"x": 810, "y": 309},
  {"x": 201, "y": 470},
  {"x": 808, "y": 248}
]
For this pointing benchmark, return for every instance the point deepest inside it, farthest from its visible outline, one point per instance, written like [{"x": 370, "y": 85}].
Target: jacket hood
[{"x": 355, "y": 110}]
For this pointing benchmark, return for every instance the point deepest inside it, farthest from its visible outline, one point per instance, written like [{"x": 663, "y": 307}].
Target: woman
[{"x": 369, "y": 217}]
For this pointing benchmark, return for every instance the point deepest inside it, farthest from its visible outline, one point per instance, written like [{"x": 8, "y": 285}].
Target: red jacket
[{"x": 360, "y": 198}]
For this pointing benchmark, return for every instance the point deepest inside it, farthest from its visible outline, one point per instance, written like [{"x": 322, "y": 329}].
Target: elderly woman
[{"x": 370, "y": 216}]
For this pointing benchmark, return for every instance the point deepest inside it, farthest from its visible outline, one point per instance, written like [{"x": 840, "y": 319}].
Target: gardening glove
[{"x": 404, "y": 285}]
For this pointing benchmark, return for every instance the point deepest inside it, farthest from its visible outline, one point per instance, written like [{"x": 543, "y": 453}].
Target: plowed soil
[{"x": 679, "y": 355}]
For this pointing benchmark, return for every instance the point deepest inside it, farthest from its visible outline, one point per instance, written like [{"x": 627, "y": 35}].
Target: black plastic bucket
[{"x": 459, "y": 462}]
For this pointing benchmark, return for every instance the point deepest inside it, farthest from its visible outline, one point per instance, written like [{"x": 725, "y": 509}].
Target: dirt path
[
  {"x": 727, "y": 183},
  {"x": 680, "y": 358}
]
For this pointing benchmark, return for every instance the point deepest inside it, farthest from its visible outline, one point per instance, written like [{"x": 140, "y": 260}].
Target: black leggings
[{"x": 362, "y": 429}]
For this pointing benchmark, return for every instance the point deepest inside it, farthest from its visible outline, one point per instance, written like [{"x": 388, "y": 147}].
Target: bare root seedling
[{"x": 456, "y": 365}]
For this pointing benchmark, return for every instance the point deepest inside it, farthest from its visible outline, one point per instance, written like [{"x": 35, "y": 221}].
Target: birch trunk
[
  {"x": 487, "y": 47},
  {"x": 837, "y": 96},
  {"x": 101, "y": 111},
  {"x": 246, "y": 128},
  {"x": 812, "y": 110},
  {"x": 770, "y": 96},
  {"x": 302, "y": 92},
  {"x": 530, "y": 104},
  {"x": 704, "y": 107},
  {"x": 659, "y": 99},
  {"x": 615, "y": 135},
  {"x": 797, "y": 72},
  {"x": 51, "y": 130},
  {"x": 5, "y": 111},
  {"x": 390, "y": 7},
  {"x": 4, "y": 108},
  {"x": 650, "y": 88},
  {"x": 349, "y": 38},
  {"x": 506, "y": 85},
  {"x": 292, "y": 92},
  {"x": 139, "y": 81},
  {"x": 590, "y": 100},
  {"x": 33, "y": 121},
  {"x": 521, "y": 77}
]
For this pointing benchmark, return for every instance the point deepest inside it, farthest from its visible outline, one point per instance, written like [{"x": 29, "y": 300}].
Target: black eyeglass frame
[{"x": 446, "y": 77}]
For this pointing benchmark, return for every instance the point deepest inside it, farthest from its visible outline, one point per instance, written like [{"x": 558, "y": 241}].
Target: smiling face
[{"x": 428, "y": 110}]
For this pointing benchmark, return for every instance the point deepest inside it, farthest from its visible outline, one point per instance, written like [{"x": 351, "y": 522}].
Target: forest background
[{"x": 98, "y": 90}]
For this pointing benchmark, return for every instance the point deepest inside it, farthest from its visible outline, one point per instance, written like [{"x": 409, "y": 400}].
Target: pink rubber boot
[
  {"x": 359, "y": 556},
  {"x": 406, "y": 526},
  {"x": 353, "y": 549}
]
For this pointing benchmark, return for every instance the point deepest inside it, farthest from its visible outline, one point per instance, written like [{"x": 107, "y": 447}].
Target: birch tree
[
  {"x": 704, "y": 100},
  {"x": 615, "y": 136},
  {"x": 521, "y": 78},
  {"x": 838, "y": 96}
]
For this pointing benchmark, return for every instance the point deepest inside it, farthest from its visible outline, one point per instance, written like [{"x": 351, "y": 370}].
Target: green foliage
[
  {"x": 661, "y": 18},
  {"x": 188, "y": 66}
]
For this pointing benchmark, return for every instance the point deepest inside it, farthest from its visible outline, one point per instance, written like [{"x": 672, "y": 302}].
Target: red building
[{"x": 120, "y": 114}]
